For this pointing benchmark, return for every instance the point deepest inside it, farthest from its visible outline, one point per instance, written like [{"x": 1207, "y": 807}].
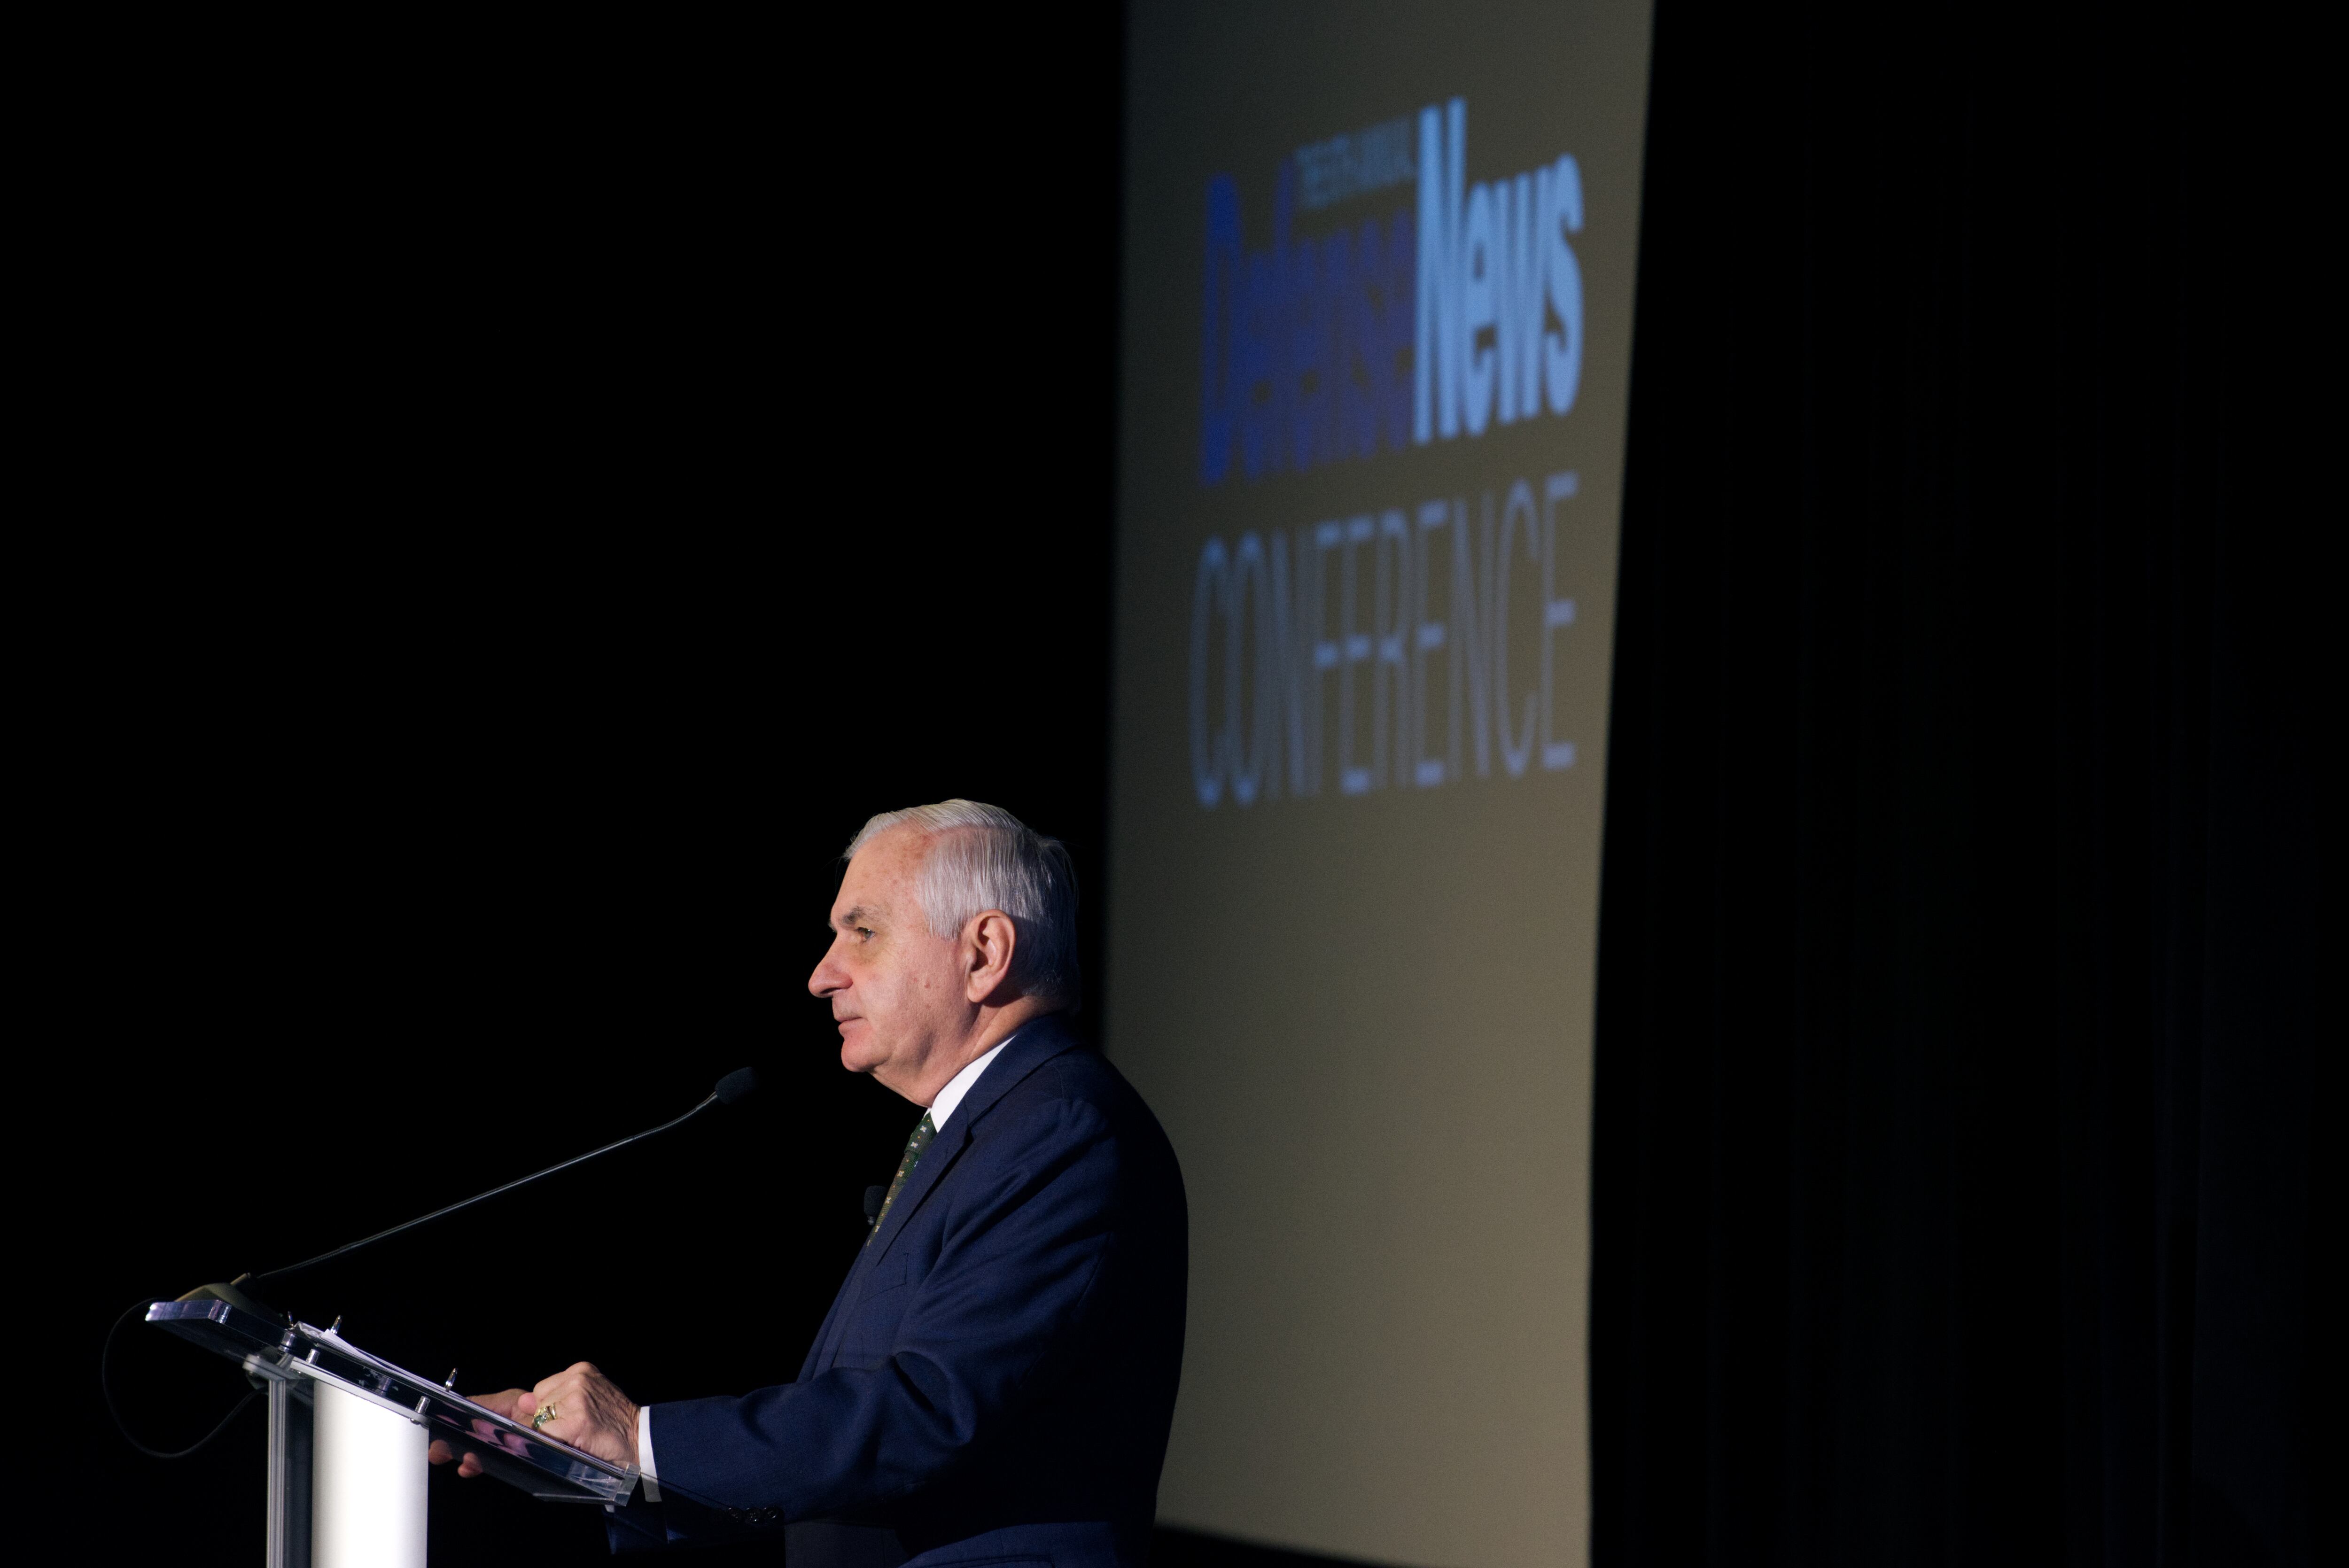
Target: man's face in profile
[{"x": 895, "y": 990}]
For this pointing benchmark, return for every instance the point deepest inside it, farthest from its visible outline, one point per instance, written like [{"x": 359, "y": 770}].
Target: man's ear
[{"x": 988, "y": 942}]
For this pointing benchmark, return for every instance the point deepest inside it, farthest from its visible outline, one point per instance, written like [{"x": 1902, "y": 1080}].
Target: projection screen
[{"x": 1376, "y": 338}]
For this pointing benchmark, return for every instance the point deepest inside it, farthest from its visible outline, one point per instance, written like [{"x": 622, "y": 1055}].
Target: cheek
[
  {"x": 920, "y": 984},
  {"x": 887, "y": 992}
]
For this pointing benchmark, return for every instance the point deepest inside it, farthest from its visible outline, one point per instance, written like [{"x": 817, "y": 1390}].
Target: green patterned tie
[{"x": 913, "y": 1147}]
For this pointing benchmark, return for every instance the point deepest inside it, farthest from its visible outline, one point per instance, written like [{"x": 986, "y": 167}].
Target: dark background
[
  {"x": 1958, "y": 997},
  {"x": 528, "y": 504},
  {"x": 507, "y": 526}
]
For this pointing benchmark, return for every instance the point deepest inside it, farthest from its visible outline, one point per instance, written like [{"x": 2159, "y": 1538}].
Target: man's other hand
[
  {"x": 587, "y": 1408},
  {"x": 504, "y": 1402}
]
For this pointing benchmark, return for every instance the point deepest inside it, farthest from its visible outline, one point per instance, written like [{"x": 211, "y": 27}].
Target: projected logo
[
  {"x": 1401, "y": 646},
  {"x": 1449, "y": 315},
  {"x": 1379, "y": 647}
]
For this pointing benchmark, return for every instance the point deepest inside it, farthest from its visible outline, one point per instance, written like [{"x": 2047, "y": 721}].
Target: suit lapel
[
  {"x": 1031, "y": 1047},
  {"x": 844, "y": 1306},
  {"x": 818, "y": 1356}
]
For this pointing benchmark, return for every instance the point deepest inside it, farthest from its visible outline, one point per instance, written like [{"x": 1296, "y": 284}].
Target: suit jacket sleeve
[{"x": 1032, "y": 1221}]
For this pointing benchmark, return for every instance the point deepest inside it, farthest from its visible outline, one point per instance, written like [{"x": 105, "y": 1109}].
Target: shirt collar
[{"x": 959, "y": 1084}]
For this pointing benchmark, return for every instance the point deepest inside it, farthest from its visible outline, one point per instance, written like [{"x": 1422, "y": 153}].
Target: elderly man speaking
[{"x": 996, "y": 1377}]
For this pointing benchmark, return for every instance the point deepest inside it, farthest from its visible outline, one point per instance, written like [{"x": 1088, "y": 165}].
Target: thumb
[{"x": 515, "y": 1404}]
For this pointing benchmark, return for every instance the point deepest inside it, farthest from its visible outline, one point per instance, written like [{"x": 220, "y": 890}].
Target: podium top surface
[{"x": 270, "y": 1347}]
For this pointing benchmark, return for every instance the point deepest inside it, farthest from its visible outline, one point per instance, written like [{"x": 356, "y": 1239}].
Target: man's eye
[{"x": 865, "y": 931}]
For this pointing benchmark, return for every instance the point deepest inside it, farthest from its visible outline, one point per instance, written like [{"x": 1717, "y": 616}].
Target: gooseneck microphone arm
[{"x": 731, "y": 1089}]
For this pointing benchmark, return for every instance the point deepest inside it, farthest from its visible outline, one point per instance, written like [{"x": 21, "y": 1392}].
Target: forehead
[{"x": 881, "y": 875}]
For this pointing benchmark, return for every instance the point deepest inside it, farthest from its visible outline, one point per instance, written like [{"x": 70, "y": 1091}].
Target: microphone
[
  {"x": 731, "y": 1090},
  {"x": 874, "y": 1197}
]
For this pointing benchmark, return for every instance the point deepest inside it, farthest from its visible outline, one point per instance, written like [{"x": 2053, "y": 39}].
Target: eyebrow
[{"x": 855, "y": 913}]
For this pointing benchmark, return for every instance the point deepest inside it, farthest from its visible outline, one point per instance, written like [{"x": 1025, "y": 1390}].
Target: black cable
[{"x": 105, "y": 1387}]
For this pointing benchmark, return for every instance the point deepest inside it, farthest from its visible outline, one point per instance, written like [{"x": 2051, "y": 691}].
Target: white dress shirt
[{"x": 957, "y": 1086}]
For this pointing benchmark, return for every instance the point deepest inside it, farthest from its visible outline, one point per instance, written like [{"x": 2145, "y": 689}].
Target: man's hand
[{"x": 587, "y": 1411}]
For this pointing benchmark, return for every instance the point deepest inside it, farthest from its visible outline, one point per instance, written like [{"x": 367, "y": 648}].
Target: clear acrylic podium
[{"x": 347, "y": 1435}]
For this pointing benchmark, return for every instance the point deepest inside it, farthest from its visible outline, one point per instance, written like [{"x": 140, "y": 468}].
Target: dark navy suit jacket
[{"x": 996, "y": 1377}]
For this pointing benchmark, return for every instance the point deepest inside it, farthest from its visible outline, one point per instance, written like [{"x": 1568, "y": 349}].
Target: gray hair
[{"x": 981, "y": 857}]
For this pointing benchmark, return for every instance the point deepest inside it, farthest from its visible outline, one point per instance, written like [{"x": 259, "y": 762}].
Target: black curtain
[{"x": 1957, "y": 997}]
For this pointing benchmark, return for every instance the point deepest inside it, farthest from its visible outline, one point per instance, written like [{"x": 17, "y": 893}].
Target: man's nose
[{"x": 827, "y": 977}]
